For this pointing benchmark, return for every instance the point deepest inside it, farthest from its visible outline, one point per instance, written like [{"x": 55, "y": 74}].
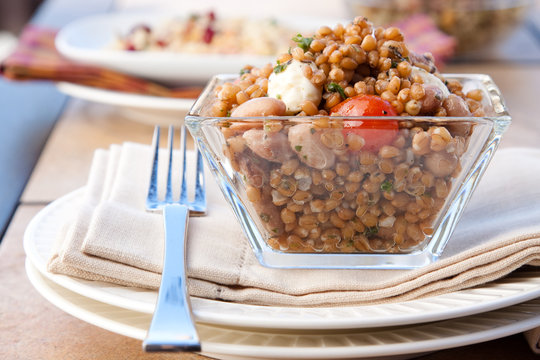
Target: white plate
[
  {"x": 153, "y": 110},
  {"x": 86, "y": 40},
  {"x": 517, "y": 287},
  {"x": 229, "y": 343}
]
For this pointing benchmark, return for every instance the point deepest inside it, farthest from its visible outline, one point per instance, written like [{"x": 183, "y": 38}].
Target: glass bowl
[
  {"x": 349, "y": 192},
  {"x": 476, "y": 24}
]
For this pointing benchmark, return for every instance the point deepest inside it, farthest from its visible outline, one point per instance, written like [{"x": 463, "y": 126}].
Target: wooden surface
[{"x": 32, "y": 328}]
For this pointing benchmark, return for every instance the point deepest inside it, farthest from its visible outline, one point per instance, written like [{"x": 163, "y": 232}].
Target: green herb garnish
[
  {"x": 303, "y": 42},
  {"x": 333, "y": 87},
  {"x": 312, "y": 130},
  {"x": 279, "y": 67},
  {"x": 244, "y": 71},
  {"x": 387, "y": 186},
  {"x": 298, "y": 148},
  {"x": 370, "y": 231},
  {"x": 264, "y": 217}
]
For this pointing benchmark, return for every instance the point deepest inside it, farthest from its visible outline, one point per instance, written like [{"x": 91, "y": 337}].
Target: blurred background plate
[
  {"x": 142, "y": 108},
  {"x": 89, "y": 41},
  {"x": 479, "y": 26}
]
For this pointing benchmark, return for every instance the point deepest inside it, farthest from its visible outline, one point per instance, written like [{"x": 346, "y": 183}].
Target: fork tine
[
  {"x": 151, "y": 199},
  {"x": 200, "y": 192},
  {"x": 170, "y": 147},
  {"x": 183, "y": 188}
]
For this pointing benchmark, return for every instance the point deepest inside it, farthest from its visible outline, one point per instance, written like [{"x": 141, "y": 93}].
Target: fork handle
[{"x": 172, "y": 327}]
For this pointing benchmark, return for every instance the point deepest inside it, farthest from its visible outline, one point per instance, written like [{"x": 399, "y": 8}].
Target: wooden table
[{"x": 32, "y": 328}]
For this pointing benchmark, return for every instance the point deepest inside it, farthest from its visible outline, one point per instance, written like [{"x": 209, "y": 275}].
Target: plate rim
[
  {"x": 235, "y": 348},
  {"x": 125, "y": 99},
  {"x": 269, "y": 316}
]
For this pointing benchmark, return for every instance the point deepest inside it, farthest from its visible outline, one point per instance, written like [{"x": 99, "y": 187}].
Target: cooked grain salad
[{"x": 318, "y": 181}]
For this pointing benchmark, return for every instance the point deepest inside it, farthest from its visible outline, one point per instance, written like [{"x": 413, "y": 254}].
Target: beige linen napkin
[{"x": 112, "y": 238}]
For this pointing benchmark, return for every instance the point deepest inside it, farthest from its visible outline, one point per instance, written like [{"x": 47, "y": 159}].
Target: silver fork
[{"x": 172, "y": 327}]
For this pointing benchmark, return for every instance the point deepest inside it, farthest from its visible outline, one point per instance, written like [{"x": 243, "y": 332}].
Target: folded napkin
[
  {"x": 36, "y": 58},
  {"x": 111, "y": 238}
]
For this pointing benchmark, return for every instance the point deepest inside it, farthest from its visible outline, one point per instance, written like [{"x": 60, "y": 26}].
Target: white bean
[{"x": 263, "y": 106}]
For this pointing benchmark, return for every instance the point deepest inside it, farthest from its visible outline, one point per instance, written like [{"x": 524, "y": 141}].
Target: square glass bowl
[{"x": 349, "y": 192}]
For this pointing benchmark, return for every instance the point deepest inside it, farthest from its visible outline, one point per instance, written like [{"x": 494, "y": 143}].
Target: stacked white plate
[{"x": 238, "y": 331}]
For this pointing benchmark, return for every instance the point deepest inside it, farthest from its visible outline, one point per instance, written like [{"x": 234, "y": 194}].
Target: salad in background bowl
[
  {"x": 475, "y": 24},
  {"x": 177, "y": 50}
]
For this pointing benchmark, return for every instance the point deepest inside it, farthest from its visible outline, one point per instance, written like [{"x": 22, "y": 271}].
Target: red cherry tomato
[{"x": 376, "y": 133}]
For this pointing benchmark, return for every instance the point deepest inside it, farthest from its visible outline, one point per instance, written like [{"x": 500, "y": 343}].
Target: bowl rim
[{"x": 500, "y": 110}]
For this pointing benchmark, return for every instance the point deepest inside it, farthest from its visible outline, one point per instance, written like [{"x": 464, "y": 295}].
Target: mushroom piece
[
  {"x": 306, "y": 142},
  {"x": 272, "y": 146}
]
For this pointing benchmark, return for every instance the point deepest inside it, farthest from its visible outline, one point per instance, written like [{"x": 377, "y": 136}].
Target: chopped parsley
[
  {"x": 244, "y": 71},
  {"x": 333, "y": 87},
  {"x": 387, "y": 186},
  {"x": 312, "y": 130},
  {"x": 370, "y": 231},
  {"x": 279, "y": 67},
  {"x": 278, "y": 96},
  {"x": 303, "y": 42},
  {"x": 394, "y": 64},
  {"x": 298, "y": 148}
]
